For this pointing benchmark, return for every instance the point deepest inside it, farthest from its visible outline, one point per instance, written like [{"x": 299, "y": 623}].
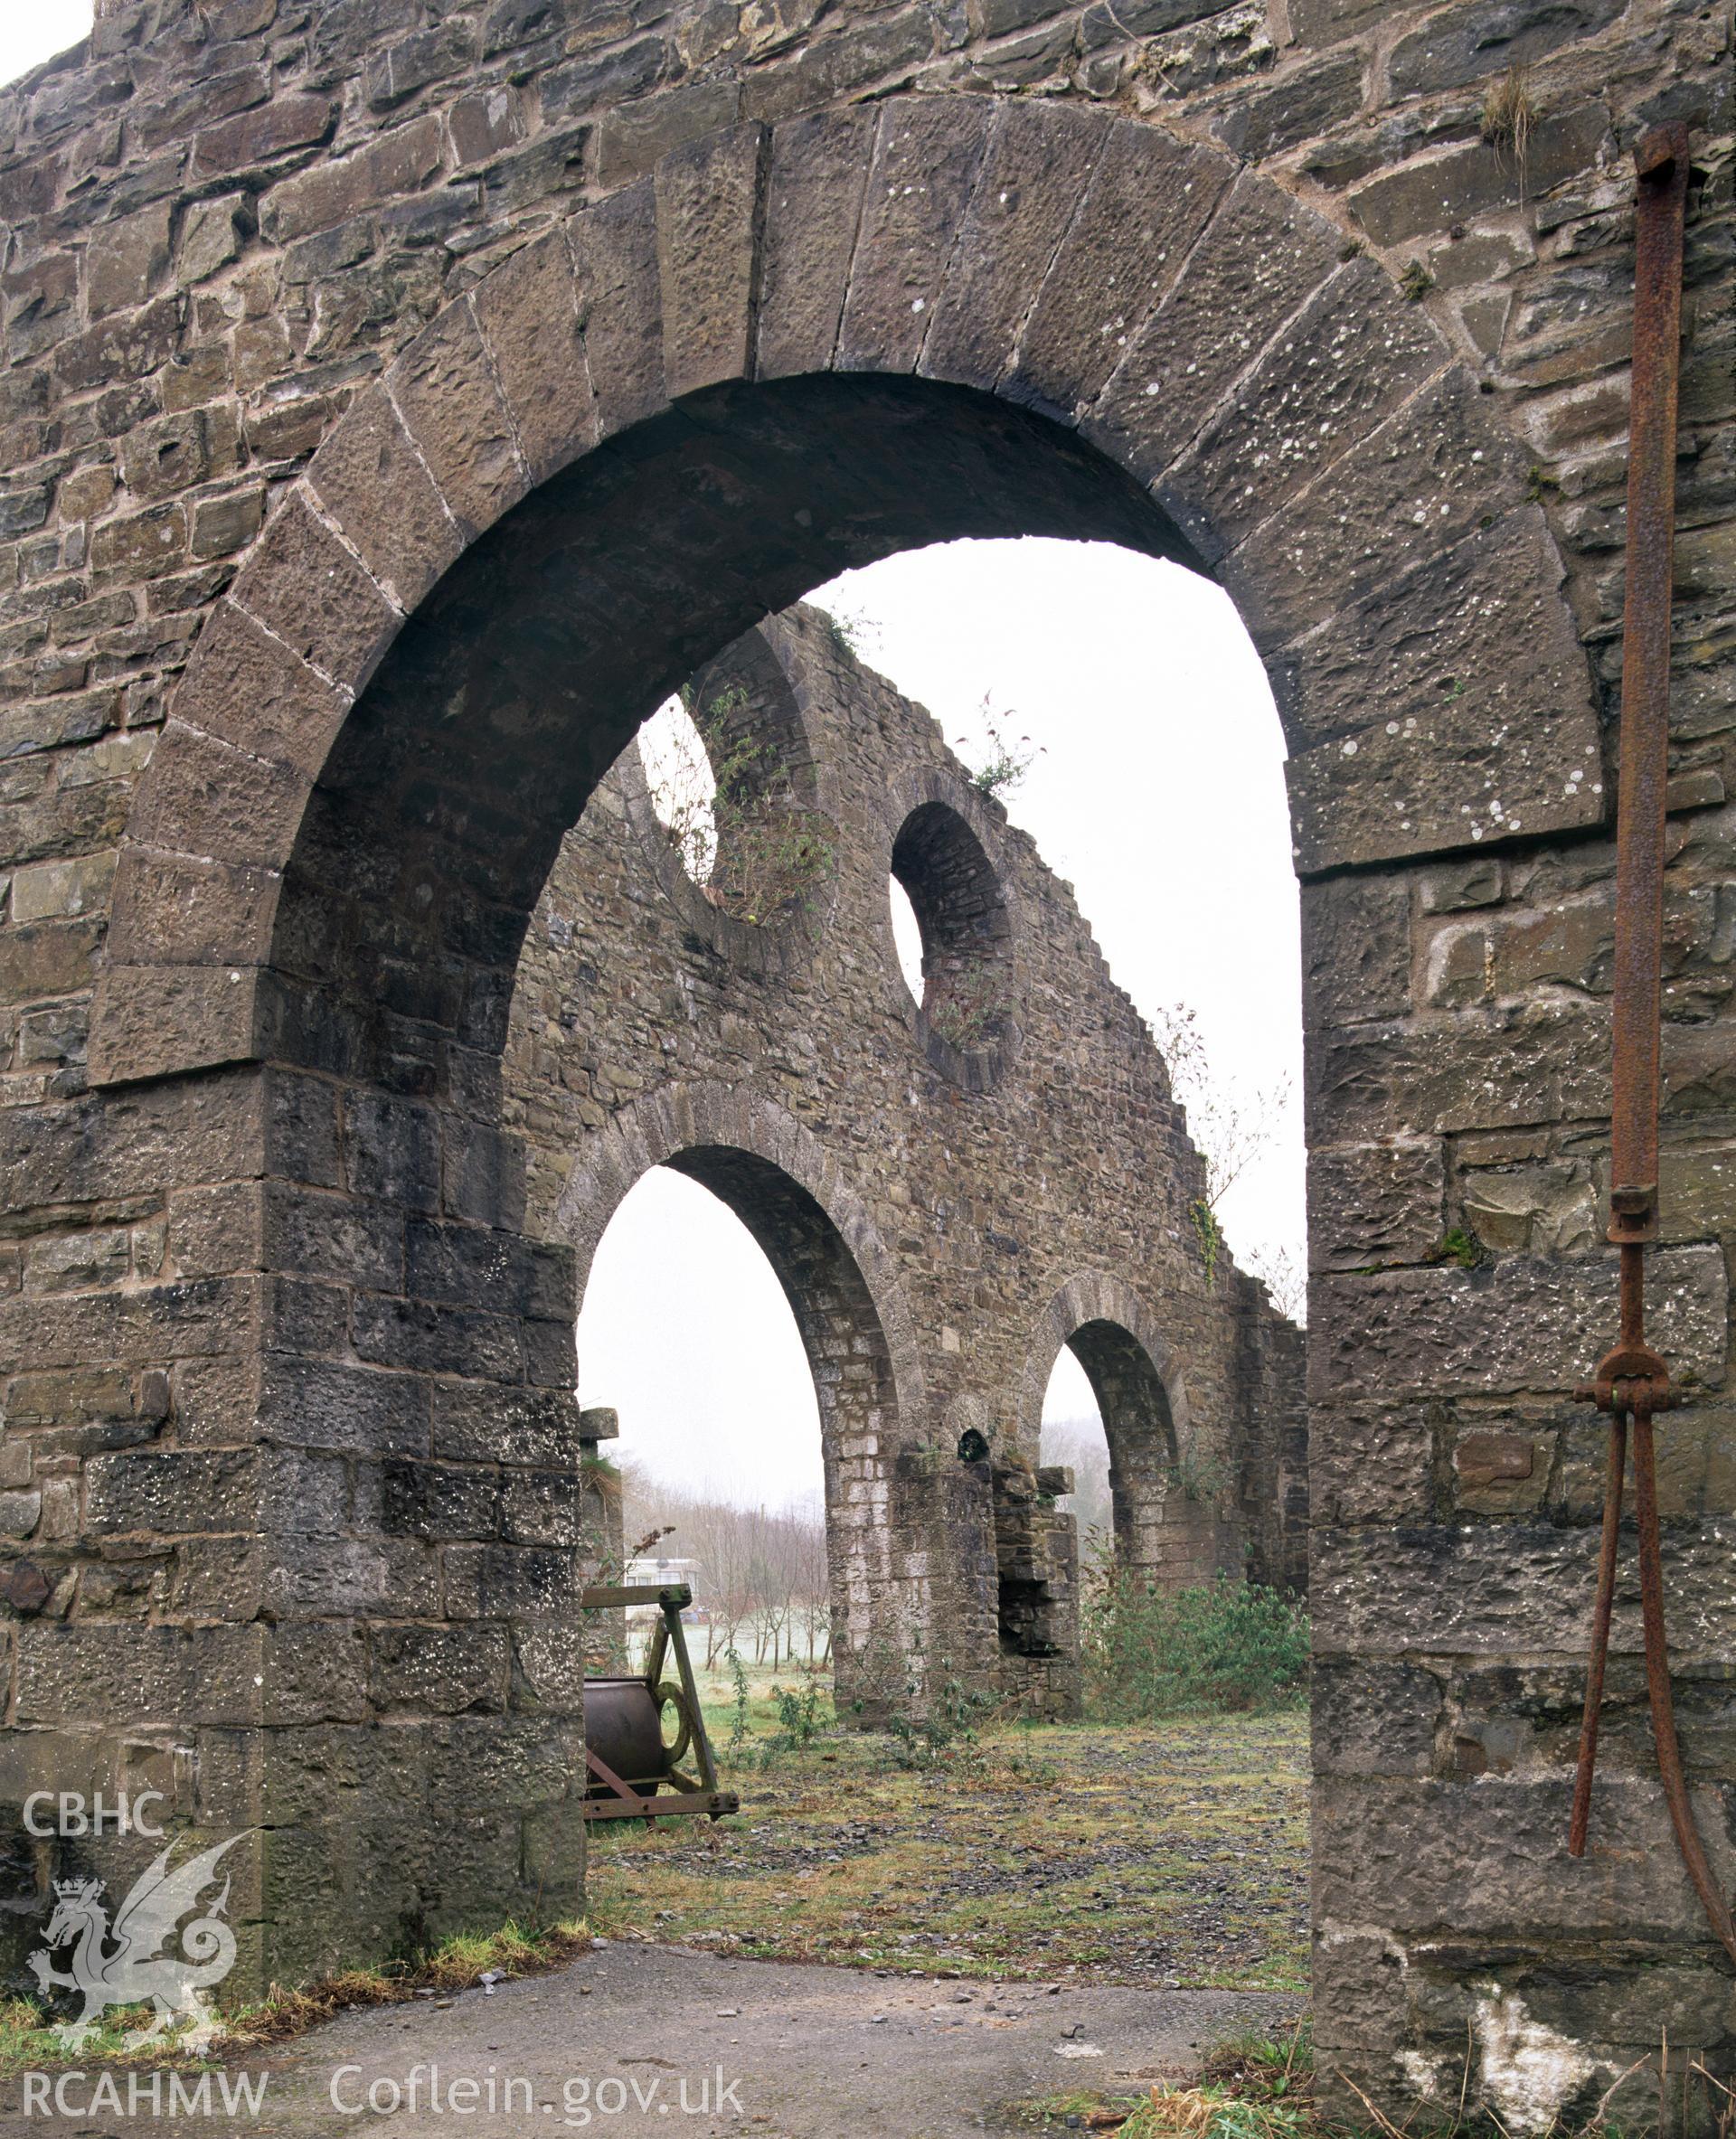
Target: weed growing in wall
[
  {"x": 727, "y": 802},
  {"x": 966, "y": 1006},
  {"x": 1005, "y": 759}
]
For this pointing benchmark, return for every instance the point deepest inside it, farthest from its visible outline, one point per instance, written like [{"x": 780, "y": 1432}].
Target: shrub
[
  {"x": 944, "y": 1731},
  {"x": 803, "y": 1715},
  {"x": 1228, "y": 1645}
]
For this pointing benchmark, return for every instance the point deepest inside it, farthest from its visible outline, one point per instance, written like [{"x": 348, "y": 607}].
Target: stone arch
[
  {"x": 1163, "y": 1493},
  {"x": 850, "y": 1308},
  {"x": 659, "y": 1128},
  {"x": 1268, "y": 432},
  {"x": 788, "y": 350}
]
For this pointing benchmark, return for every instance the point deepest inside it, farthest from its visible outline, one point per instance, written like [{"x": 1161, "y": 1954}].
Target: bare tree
[
  {"x": 1233, "y": 1125},
  {"x": 758, "y": 1576}
]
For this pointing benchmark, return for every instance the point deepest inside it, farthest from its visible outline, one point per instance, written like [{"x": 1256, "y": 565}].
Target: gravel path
[{"x": 805, "y": 2052}]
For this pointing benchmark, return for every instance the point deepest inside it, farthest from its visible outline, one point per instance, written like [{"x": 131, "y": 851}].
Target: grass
[
  {"x": 30, "y": 2039},
  {"x": 1170, "y": 1854},
  {"x": 1509, "y": 113},
  {"x": 1253, "y": 2087}
]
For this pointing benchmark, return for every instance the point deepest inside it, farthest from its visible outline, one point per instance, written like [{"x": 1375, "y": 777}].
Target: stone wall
[
  {"x": 438, "y": 387},
  {"x": 1009, "y": 1143}
]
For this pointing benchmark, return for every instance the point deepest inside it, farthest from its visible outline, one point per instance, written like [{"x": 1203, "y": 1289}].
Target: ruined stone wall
[
  {"x": 1008, "y": 1142},
  {"x": 297, "y": 301}
]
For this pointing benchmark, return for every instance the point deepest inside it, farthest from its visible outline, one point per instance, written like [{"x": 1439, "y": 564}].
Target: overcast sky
[
  {"x": 1159, "y": 795},
  {"x": 33, "y": 31}
]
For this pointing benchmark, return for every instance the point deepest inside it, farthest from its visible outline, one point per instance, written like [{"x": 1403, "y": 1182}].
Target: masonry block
[
  {"x": 529, "y": 312},
  {"x": 925, "y": 166},
  {"x": 708, "y": 207},
  {"x": 1146, "y": 201},
  {"x": 620, "y": 304},
  {"x": 304, "y": 586},
  {"x": 374, "y": 482},
  {"x": 814, "y": 183}
]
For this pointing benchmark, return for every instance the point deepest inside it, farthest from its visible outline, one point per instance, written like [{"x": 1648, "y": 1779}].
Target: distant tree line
[{"x": 760, "y": 1581}]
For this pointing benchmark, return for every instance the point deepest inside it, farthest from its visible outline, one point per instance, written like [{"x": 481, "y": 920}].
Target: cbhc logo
[{"x": 74, "y": 1813}]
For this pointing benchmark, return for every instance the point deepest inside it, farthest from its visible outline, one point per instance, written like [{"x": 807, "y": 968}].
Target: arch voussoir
[
  {"x": 1149, "y": 198},
  {"x": 311, "y": 590},
  {"x": 707, "y": 197},
  {"x": 614, "y": 247},
  {"x": 926, "y": 160},
  {"x": 1436, "y": 470},
  {"x": 529, "y": 309},
  {"x": 1432, "y": 735},
  {"x": 248, "y": 688},
  {"x": 1037, "y": 164},
  {"x": 443, "y": 386},
  {"x": 217, "y": 801},
  {"x": 1312, "y": 394},
  {"x": 815, "y": 178},
  {"x": 373, "y": 482},
  {"x": 1257, "y": 258}
]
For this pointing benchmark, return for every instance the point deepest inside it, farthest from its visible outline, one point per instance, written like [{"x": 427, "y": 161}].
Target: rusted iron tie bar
[{"x": 1633, "y": 1383}]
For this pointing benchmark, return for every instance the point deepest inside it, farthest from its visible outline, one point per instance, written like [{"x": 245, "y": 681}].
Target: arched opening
[
  {"x": 1167, "y": 1497},
  {"x": 681, "y": 784},
  {"x": 907, "y": 937},
  {"x": 813, "y": 1425},
  {"x": 1073, "y": 1439},
  {"x": 376, "y": 982},
  {"x": 426, "y": 844},
  {"x": 726, "y": 766},
  {"x": 691, "y": 1361},
  {"x": 965, "y": 1004}
]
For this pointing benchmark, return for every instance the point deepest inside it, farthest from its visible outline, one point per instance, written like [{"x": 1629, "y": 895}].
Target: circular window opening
[
  {"x": 731, "y": 792},
  {"x": 955, "y": 946},
  {"x": 683, "y": 786}
]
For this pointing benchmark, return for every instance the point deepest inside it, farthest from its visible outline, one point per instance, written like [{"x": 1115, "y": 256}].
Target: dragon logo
[{"x": 121, "y": 1964}]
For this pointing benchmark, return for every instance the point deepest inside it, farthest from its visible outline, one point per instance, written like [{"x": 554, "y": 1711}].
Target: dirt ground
[
  {"x": 874, "y": 1946},
  {"x": 1170, "y": 1855},
  {"x": 791, "y": 2052}
]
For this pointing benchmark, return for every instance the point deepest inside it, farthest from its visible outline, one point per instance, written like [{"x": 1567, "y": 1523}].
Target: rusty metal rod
[
  {"x": 1661, "y": 163},
  {"x": 1657, "y": 1675},
  {"x": 1632, "y": 1381},
  {"x": 1600, "y": 1617}
]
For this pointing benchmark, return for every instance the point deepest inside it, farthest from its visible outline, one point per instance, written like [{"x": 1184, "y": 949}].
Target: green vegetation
[
  {"x": 1253, "y": 2087},
  {"x": 728, "y": 805},
  {"x": 1205, "y": 1224},
  {"x": 1006, "y": 758},
  {"x": 968, "y": 1006},
  {"x": 30, "y": 2039},
  {"x": 1151, "y": 1653}
]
